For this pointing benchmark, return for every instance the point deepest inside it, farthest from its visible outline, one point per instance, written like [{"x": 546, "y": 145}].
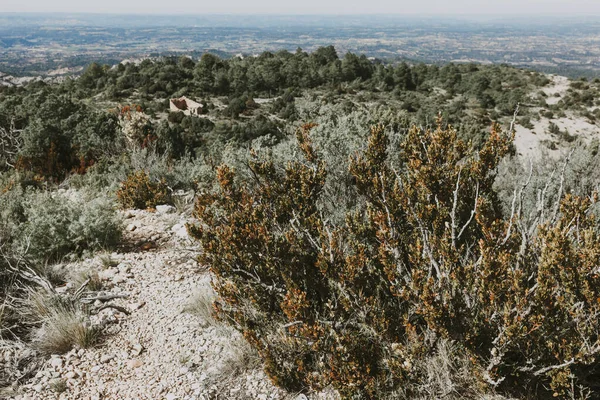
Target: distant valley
[{"x": 37, "y": 44}]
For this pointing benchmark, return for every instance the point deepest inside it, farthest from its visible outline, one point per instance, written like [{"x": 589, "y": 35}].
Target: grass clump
[
  {"x": 59, "y": 386},
  {"x": 61, "y": 324},
  {"x": 202, "y": 304}
]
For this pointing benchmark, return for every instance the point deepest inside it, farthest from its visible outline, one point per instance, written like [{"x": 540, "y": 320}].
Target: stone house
[{"x": 186, "y": 106}]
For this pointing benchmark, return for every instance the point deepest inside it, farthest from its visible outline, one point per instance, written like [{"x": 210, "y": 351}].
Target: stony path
[{"x": 159, "y": 351}]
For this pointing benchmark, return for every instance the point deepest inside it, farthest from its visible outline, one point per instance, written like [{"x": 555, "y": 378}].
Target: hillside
[{"x": 306, "y": 225}]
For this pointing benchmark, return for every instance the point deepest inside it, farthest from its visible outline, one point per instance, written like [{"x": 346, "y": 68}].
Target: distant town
[{"x": 58, "y": 44}]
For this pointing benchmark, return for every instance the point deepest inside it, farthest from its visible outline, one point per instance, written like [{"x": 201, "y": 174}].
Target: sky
[{"x": 429, "y": 7}]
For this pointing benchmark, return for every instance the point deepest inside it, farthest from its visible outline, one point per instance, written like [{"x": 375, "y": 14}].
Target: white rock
[
  {"x": 71, "y": 375},
  {"x": 56, "y": 362},
  {"x": 134, "y": 363},
  {"x": 106, "y": 358},
  {"x": 137, "y": 349},
  {"x": 165, "y": 209},
  {"x": 123, "y": 268},
  {"x": 180, "y": 231},
  {"x": 96, "y": 368}
]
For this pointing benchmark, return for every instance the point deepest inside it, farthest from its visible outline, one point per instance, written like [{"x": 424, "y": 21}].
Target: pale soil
[
  {"x": 536, "y": 143},
  {"x": 559, "y": 86},
  {"x": 160, "y": 351}
]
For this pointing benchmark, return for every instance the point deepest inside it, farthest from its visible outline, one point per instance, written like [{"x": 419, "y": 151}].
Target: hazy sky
[{"x": 469, "y": 7}]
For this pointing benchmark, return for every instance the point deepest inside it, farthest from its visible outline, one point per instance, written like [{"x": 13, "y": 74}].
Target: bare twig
[
  {"x": 473, "y": 212},
  {"x": 514, "y": 120},
  {"x": 118, "y": 308},
  {"x": 103, "y": 298}
]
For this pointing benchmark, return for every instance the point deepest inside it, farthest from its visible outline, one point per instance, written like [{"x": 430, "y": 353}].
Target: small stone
[
  {"x": 165, "y": 209},
  {"x": 135, "y": 363},
  {"x": 171, "y": 396},
  {"x": 96, "y": 368},
  {"x": 131, "y": 227},
  {"x": 123, "y": 268},
  {"x": 71, "y": 375},
  {"x": 180, "y": 231},
  {"x": 106, "y": 358},
  {"x": 56, "y": 362},
  {"x": 137, "y": 349},
  {"x": 38, "y": 388}
]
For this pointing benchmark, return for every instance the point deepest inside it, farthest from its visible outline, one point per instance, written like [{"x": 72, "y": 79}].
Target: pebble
[
  {"x": 137, "y": 349},
  {"x": 96, "y": 368},
  {"x": 56, "y": 362},
  {"x": 135, "y": 363},
  {"x": 71, "y": 375},
  {"x": 165, "y": 209},
  {"x": 106, "y": 358}
]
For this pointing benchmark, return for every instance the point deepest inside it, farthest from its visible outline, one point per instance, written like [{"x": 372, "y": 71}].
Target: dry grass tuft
[
  {"x": 201, "y": 304},
  {"x": 64, "y": 330},
  {"x": 59, "y": 386},
  {"x": 62, "y": 325}
]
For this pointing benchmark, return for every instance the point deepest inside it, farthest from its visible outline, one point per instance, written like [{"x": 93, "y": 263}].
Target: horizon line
[{"x": 515, "y": 15}]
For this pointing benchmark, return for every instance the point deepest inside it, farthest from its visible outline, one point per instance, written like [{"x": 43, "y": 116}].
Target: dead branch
[
  {"x": 103, "y": 298},
  {"x": 473, "y": 212},
  {"x": 118, "y": 308},
  {"x": 514, "y": 120},
  {"x": 11, "y": 143},
  {"x": 453, "y": 212}
]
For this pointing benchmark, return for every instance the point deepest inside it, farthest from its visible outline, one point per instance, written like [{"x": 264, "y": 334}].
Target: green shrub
[
  {"x": 426, "y": 256},
  {"x": 56, "y": 225},
  {"x": 139, "y": 191}
]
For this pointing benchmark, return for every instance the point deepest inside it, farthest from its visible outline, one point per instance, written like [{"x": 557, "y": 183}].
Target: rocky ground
[{"x": 155, "y": 347}]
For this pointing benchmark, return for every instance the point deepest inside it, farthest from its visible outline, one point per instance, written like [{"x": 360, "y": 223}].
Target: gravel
[{"x": 159, "y": 351}]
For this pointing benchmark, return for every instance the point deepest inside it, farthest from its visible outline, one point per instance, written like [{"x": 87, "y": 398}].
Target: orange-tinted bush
[
  {"x": 140, "y": 192},
  {"x": 427, "y": 256}
]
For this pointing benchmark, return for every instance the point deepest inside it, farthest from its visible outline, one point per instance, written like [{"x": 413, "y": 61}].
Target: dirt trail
[{"x": 159, "y": 351}]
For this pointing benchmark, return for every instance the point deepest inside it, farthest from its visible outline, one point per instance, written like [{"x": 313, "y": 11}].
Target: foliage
[
  {"x": 139, "y": 191},
  {"x": 135, "y": 126},
  {"x": 426, "y": 256},
  {"x": 45, "y": 226}
]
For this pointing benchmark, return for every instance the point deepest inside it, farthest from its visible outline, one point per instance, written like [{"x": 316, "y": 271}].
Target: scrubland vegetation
[{"x": 368, "y": 226}]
